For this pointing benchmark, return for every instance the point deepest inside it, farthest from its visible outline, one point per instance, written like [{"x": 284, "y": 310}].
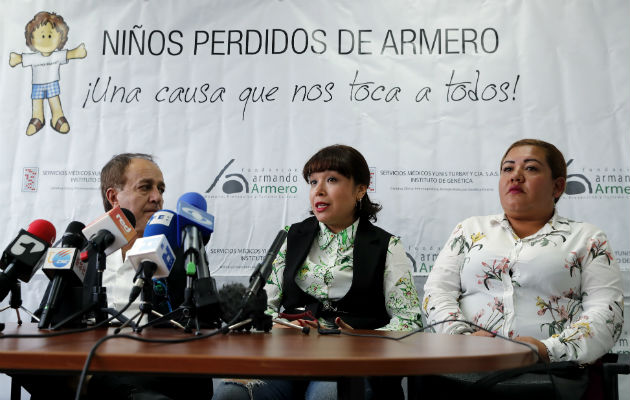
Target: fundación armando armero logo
[
  {"x": 233, "y": 183},
  {"x": 577, "y": 183},
  {"x": 255, "y": 181},
  {"x": 606, "y": 181}
]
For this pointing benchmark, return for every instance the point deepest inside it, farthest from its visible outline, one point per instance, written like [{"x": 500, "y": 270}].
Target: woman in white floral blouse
[
  {"x": 529, "y": 273},
  {"x": 339, "y": 269}
]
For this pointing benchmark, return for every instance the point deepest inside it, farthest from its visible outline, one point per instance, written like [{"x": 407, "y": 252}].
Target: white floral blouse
[
  {"x": 327, "y": 276},
  {"x": 560, "y": 285}
]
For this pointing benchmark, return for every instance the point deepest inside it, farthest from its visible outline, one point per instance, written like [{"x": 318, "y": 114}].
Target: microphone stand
[
  {"x": 188, "y": 310},
  {"x": 254, "y": 302},
  {"x": 15, "y": 302},
  {"x": 146, "y": 306},
  {"x": 253, "y": 308},
  {"x": 98, "y": 302},
  {"x": 200, "y": 294},
  {"x": 304, "y": 329}
]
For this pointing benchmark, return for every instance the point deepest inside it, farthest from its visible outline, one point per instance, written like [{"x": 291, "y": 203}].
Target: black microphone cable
[
  {"x": 217, "y": 331},
  {"x": 102, "y": 340},
  {"x": 413, "y": 332},
  {"x": 482, "y": 383},
  {"x": 492, "y": 378}
]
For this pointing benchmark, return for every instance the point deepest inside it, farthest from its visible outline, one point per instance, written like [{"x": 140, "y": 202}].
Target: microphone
[
  {"x": 194, "y": 225},
  {"x": 260, "y": 275},
  {"x": 231, "y": 295},
  {"x": 21, "y": 259},
  {"x": 64, "y": 267},
  {"x": 154, "y": 254},
  {"x": 105, "y": 235},
  {"x": 111, "y": 231},
  {"x": 253, "y": 300},
  {"x": 250, "y": 314}
]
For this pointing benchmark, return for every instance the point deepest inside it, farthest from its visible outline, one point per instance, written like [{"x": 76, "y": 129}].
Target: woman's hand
[
  {"x": 542, "y": 349},
  {"x": 483, "y": 333},
  {"x": 306, "y": 322},
  {"x": 342, "y": 325},
  {"x": 313, "y": 324}
]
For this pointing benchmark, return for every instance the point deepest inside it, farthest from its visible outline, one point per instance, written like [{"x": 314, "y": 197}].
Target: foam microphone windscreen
[
  {"x": 192, "y": 210},
  {"x": 231, "y": 296},
  {"x": 194, "y": 199},
  {"x": 73, "y": 236},
  {"x": 43, "y": 230},
  {"x": 163, "y": 222}
]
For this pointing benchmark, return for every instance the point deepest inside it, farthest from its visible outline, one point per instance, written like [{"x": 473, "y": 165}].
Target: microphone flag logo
[
  {"x": 122, "y": 223},
  {"x": 26, "y": 244},
  {"x": 196, "y": 215},
  {"x": 62, "y": 258}
]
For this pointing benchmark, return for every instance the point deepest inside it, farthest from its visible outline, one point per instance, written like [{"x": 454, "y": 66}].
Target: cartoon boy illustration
[{"x": 46, "y": 34}]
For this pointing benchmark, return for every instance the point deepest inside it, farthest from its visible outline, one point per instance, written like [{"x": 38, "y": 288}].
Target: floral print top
[
  {"x": 560, "y": 285},
  {"x": 327, "y": 275}
]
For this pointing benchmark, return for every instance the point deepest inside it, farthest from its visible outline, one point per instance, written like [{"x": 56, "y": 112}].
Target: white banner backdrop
[{"x": 233, "y": 97}]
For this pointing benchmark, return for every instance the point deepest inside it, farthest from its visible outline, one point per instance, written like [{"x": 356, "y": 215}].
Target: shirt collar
[
  {"x": 556, "y": 223},
  {"x": 345, "y": 237},
  {"x": 117, "y": 255}
]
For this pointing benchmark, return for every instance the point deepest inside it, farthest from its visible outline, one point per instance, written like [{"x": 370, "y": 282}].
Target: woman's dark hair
[
  {"x": 350, "y": 163},
  {"x": 553, "y": 156}
]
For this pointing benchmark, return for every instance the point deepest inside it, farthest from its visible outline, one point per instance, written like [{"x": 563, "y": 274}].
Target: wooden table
[{"x": 284, "y": 352}]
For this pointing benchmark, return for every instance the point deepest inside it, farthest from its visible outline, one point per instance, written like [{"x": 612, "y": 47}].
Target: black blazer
[{"x": 363, "y": 307}]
